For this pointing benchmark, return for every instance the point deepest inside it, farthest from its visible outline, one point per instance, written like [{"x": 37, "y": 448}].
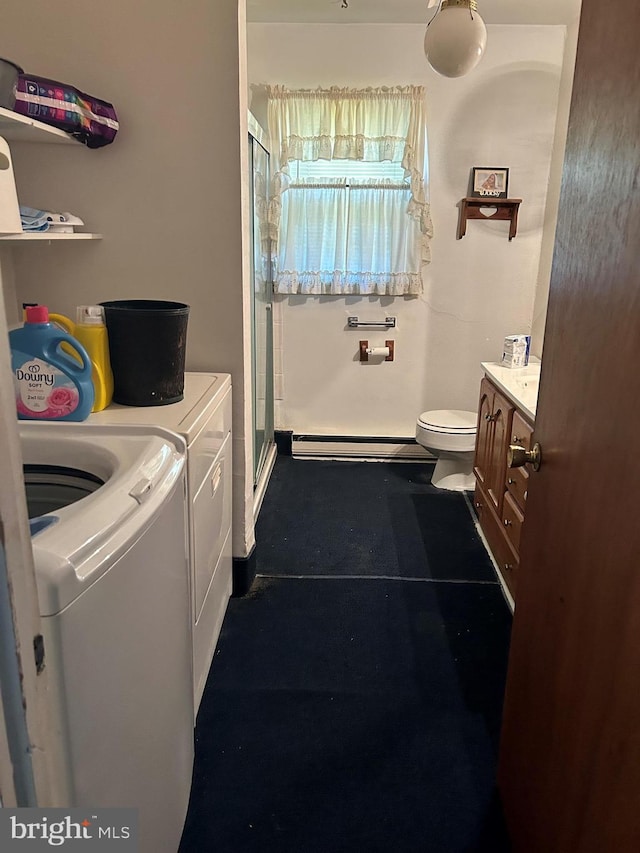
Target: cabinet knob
[
  {"x": 517, "y": 440},
  {"x": 510, "y": 481},
  {"x": 518, "y": 456},
  {"x": 508, "y": 522},
  {"x": 508, "y": 567}
]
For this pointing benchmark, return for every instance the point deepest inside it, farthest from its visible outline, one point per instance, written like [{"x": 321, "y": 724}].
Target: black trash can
[{"x": 147, "y": 345}]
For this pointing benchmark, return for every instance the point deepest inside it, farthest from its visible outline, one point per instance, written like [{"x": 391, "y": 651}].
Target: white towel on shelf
[{"x": 34, "y": 219}]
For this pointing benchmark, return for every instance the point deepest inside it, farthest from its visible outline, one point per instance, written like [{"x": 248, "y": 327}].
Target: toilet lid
[{"x": 450, "y": 420}]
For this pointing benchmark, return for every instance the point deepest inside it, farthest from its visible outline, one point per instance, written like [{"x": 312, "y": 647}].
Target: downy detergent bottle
[
  {"x": 49, "y": 383},
  {"x": 90, "y": 330}
]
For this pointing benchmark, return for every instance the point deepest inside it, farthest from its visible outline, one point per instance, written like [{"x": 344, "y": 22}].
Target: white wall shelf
[
  {"x": 44, "y": 237},
  {"x": 18, "y": 128}
]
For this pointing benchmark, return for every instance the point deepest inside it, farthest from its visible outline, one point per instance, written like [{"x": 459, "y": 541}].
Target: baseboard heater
[{"x": 359, "y": 447}]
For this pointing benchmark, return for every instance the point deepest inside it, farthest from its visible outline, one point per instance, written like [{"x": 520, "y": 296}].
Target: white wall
[
  {"x": 553, "y": 194},
  {"x": 169, "y": 194},
  {"x": 478, "y": 289}
]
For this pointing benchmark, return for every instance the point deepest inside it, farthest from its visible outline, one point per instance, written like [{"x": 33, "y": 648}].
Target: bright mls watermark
[{"x": 103, "y": 830}]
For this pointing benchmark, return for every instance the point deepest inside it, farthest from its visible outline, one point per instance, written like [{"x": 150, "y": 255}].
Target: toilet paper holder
[{"x": 366, "y": 350}]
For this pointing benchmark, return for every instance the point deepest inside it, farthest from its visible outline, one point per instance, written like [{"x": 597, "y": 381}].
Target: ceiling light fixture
[{"x": 456, "y": 38}]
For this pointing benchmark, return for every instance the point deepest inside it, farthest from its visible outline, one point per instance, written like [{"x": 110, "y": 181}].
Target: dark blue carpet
[
  {"x": 366, "y": 518},
  {"x": 355, "y": 714}
]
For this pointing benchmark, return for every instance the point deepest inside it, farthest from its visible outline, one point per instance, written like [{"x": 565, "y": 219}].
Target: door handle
[{"x": 518, "y": 456}]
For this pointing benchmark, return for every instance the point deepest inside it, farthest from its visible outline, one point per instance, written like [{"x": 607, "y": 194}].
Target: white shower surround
[{"x": 478, "y": 289}]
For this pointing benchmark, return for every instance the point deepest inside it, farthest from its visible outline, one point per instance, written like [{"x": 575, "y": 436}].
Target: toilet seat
[
  {"x": 449, "y": 430},
  {"x": 452, "y": 421}
]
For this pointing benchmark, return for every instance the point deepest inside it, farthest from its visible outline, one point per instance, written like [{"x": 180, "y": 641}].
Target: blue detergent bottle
[{"x": 50, "y": 384}]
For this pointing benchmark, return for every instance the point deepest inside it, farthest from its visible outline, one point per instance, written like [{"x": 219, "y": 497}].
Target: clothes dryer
[{"x": 203, "y": 419}]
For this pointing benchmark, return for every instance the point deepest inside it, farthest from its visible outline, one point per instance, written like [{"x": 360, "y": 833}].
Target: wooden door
[{"x": 569, "y": 769}]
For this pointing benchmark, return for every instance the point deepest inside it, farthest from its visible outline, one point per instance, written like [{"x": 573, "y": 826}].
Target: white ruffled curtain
[{"x": 349, "y": 235}]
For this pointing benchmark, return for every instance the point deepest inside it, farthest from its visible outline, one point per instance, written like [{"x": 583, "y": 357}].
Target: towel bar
[{"x": 388, "y": 323}]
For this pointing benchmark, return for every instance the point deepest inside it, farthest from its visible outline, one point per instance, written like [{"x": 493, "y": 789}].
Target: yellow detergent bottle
[{"x": 90, "y": 330}]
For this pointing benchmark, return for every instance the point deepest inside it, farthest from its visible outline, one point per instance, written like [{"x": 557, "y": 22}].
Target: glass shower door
[{"x": 261, "y": 308}]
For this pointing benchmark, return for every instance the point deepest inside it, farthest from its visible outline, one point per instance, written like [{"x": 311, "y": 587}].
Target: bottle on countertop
[
  {"x": 50, "y": 384},
  {"x": 91, "y": 331}
]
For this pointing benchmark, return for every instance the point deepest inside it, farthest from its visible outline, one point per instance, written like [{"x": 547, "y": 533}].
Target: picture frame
[{"x": 489, "y": 182}]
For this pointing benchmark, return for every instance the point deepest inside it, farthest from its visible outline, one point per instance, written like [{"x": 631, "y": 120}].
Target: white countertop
[{"x": 520, "y": 384}]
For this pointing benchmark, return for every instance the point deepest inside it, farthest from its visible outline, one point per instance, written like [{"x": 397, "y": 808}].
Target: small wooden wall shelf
[{"x": 506, "y": 209}]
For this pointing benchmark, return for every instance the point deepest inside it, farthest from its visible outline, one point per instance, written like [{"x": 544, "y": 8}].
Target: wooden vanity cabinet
[
  {"x": 495, "y": 414},
  {"x": 501, "y": 493}
]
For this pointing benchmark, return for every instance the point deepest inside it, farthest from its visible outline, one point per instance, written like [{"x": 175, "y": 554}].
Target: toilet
[{"x": 450, "y": 435}]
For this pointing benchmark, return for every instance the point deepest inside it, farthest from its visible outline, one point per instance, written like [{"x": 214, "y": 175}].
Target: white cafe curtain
[{"x": 349, "y": 235}]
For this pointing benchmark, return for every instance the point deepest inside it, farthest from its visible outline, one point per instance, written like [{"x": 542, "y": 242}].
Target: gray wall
[{"x": 168, "y": 195}]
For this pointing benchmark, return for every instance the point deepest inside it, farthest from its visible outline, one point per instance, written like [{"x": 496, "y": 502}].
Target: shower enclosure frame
[{"x": 261, "y": 300}]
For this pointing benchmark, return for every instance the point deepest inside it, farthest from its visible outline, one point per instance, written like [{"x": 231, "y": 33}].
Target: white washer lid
[
  {"x": 450, "y": 420},
  {"x": 141, "y": 466}
]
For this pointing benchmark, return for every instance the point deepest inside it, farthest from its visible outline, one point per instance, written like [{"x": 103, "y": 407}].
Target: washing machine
[
  {"x": 203, "y": 420},
  {"x": 110, "y": 544}
]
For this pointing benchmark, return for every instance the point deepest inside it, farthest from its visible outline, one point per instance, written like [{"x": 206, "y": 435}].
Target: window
[{"x": 349, "y": 211}]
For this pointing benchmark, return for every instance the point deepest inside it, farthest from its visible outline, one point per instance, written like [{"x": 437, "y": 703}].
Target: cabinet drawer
[
  {"x": 505, "y": 557},
  {"x": 517, "y": 479},
  {"x": 518, "y": 485},
  {"x": 521, "y": 431},
  {"x": 512, "y": 519}
]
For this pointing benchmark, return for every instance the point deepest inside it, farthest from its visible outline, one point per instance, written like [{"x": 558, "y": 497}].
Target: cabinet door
[
  {"x": 500, "y": 546},
  {"x": 501, "y": 418},
  {"x": 483, "y": 436}
]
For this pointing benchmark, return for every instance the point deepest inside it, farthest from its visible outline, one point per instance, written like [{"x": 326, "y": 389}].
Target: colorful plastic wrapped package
[{"x": 88, "y": 119}]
